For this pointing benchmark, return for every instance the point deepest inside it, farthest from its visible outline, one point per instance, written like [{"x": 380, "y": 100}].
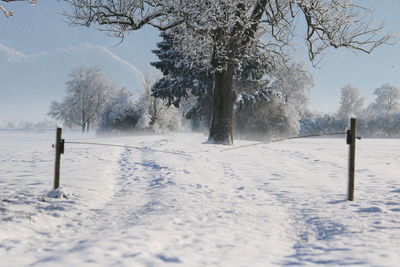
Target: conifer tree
[{"x": 181, "y": 79}]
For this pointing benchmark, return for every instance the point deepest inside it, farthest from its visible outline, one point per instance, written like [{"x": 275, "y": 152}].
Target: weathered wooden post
[
  {"x": 351, "y": 141},
  {"x": 59, "y": 146}
]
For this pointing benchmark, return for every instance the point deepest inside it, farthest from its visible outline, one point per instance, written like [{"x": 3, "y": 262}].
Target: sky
[{"x": 38, "y": 49}]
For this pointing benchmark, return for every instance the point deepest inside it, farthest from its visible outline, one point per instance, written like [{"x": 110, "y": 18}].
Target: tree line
[{"x": 381, "y": 118}]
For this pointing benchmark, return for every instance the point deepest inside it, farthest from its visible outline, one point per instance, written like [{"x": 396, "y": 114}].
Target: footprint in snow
[
  {"x": 168, "y": 259},
  {"x": 371, "y": 209}
]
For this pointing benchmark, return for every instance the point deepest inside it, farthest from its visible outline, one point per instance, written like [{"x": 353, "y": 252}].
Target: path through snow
[{"x": 272, "y": 205}]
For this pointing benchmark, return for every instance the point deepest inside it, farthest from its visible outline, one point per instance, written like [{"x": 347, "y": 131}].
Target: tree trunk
[
  {"x": 87, "y": 127},
  {"x": 83, "y": 122},
  {"x": 154, "y": 112},
  {"x": 221, "y": 131}
]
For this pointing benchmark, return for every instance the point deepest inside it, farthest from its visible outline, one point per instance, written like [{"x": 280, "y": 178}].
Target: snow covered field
[{"x": 277, "y": 204}]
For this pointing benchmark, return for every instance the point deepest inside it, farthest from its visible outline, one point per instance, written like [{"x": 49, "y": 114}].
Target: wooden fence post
[
  {"x": 59, "y": 148},
  {"x": 351, "y": 141}
]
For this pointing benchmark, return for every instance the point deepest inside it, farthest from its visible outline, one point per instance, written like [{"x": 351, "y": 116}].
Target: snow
[{"x": 276, "y": 204}]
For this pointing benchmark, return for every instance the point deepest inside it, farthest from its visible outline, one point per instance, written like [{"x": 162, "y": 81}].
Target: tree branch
[{"x": 9, "y": 13}]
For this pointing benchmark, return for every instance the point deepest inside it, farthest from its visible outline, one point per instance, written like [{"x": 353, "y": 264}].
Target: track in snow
[{"x": 278, "y": 204}]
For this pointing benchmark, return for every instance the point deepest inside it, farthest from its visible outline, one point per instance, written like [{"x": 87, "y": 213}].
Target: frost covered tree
[
  {"x": 118, "y": 112},
  {"x": 10, "y": 125},
  {"x": 264, "y": 115},
  {"x": 226, "y": 31},
  {"x": 293, "y": 82},
  {"x": 387, "y": 100},
  {"x": 315, "y": 123},
  {"x": 351, "y": 102},
  {"x": 261, "y": 111},
  {"x": 270, "y": 101},
  {"x": 381, "y": 118},
  {"x": 148, "y": 105},
  {"x": 86, "y": 93},
  {"x": 155, "y": 115},
  {"x": 9, "y": 13},
  {"x": 45, "y": 125}
]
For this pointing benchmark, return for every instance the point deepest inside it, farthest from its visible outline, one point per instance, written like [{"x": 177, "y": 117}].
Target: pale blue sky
[{"x": 38, "y": 50}]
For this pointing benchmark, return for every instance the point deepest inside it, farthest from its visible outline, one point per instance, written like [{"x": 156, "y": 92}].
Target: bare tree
[
  {"x": 156, "y": 116},
  {"x": 387, "y": 100},
  {"x": 293, "y": 82},
  {"x": 226, "y": 31},
  {"x": 9, "y": 13},
  {"x": 87, "y": 91},
  {"x": 351, "y": 102}
]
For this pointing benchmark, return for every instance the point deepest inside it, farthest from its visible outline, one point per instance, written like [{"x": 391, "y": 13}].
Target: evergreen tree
[{"x": 183, "y": 78}]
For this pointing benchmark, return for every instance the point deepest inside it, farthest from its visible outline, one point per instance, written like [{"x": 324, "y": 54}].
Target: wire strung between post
[
  {"x": 283, "y": 139},
  {"x": 124, "y": 146}
]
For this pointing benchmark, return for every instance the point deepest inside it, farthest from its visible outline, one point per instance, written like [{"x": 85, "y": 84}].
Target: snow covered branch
[
  {"x": 9, "y": 13},
  {"x": 339, "y": 23},
  {"x": 231, "y": 29},
  {"x": 119, "y": 16}
]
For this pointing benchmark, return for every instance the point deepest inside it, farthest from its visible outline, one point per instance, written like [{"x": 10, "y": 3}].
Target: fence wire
[
  {"x": 284, "y": 139},
  {"x": 227, "y": 149}
]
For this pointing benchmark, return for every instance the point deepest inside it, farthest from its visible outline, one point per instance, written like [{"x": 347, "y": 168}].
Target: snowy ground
[{"x": 278, "y": 204}]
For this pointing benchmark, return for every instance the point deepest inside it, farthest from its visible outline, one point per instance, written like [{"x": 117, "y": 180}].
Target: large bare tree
[
  {"x": 226, "y": 31},
  {"x": 9, "y": 13}
]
